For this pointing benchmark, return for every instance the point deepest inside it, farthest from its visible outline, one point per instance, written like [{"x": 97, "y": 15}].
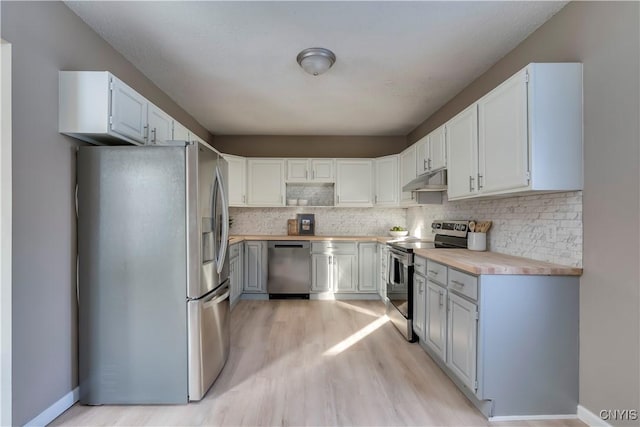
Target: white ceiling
[{"x": 232, "y": 65}]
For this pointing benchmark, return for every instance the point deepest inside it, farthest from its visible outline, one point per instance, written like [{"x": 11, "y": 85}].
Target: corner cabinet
[
  {"x": 408, "y": 172},
  {"x": 527, "y": 136},
  {"x": 265, "y": 182},
  {"x": 237, "y": 180},
  {"x": 255, "y": 267},
  {"x": 354, "y": 183}
]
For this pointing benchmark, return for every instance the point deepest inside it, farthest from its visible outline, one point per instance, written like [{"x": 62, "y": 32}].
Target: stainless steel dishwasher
[{"x": 289, "y": 269}]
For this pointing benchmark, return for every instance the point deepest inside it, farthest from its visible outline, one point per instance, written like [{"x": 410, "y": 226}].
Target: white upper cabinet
[
  {"x": 160, "y": 126},
  {"x": 237, "y": 180},
  {"x": 322, "y": 170},
  {"x": 462, "y": 143},
  {"x": 431, "y": 153},
  {"x": 265, "y": 182},
  {"x": 437, "y": 149},
  {"x": 310, "y": 170},
  {"x": 387, "y": 191},
  {"x": 503, "y": 162},
  {"x": 180, "y": 132},
  {"x": 408, "y": 172},
  {"x": 128, "y": 111},
  {"x": 97, "y": 107},
  {"x": 354, "y": 182},
  {"x": 529, "y": 136}
]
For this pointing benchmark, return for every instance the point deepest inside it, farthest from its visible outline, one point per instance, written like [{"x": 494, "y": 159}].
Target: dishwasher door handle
[{"x": 298, "y": 246}]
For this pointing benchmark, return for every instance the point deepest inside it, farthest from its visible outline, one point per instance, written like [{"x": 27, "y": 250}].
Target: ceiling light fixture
[{"x": 316, "y": 60}]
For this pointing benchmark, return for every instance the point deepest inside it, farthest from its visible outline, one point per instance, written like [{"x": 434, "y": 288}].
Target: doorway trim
[{"x": 5, "y": 234}]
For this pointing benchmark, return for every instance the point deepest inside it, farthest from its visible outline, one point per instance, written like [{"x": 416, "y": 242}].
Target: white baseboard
[
  {"x": 55, "y": 410},
  {"x": 533, "y": 417},
  {"x": 591, "y": 419}
]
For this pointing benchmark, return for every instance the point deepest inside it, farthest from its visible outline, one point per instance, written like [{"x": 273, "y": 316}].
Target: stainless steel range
[{"x": 448, "y": 234}]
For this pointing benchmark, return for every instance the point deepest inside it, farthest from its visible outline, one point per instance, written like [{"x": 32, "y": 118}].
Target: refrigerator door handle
[{"x": 225, "y": 222}]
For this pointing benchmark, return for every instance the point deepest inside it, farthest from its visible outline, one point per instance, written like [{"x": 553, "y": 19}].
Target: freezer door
[{"x": 208, "y": 340}]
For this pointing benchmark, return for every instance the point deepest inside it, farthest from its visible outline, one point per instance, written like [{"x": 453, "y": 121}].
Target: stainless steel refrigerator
[{"x": 153, "y": 272}]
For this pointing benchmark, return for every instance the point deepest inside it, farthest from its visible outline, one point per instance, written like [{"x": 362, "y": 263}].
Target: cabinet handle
[
  {"x": 153, "y": 131},
  {"x": 244, "y": 199},
  {"x": 421, "y": 288},
  {"x": 424, "y": 162},
  {"x": 338, "y": 198},
  {"x": 376, "y": 199},
  {"x": 282, "y": 199},
  {"x": 479, "y": 178},
  {"x": 433, "y": 272},
  {"x": 313, "y": 174},
  {"x": 146, "y": 132},
  {"x": 306, "y": 174},
  {"x": 429, "y": 163},
  {"x": 471, "y": 179},
  {"x": 440, "y": 298},
  {"x": 455, "y": 282}
]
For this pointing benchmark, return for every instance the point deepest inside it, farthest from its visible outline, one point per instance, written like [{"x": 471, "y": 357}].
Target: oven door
[{"x": 398, "y": 281}]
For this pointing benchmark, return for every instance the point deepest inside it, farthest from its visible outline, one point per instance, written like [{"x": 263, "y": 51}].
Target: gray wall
[
  {"x": 309, "y": 146},
  {"x": 47, "y": 37},
  {"x": 605, "y": 37}
]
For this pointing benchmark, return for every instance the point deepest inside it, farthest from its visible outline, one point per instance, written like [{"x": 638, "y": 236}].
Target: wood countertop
[
  {"x": 240, "y": 238},
  {"x": 494, "y": 263}
]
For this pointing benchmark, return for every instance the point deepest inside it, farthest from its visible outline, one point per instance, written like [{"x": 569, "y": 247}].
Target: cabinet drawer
[
  {"x": 420, "y": 265},
  {"x": 334, "y": 247},
  {"x": 234, "y": 250},
  {"x": 437, "y": 272},
  {"x": 463, "y": 284}
]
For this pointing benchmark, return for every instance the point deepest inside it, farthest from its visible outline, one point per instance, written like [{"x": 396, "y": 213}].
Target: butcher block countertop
[
  {"x": 380, "y": 239},
  {"x": 494, "y": 263}
]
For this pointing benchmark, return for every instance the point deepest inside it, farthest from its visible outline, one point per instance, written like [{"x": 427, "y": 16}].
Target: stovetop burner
[{"x": 449, "y": 234}]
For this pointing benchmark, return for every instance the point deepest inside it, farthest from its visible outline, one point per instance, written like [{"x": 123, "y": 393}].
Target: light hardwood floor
[{"x": 318, "y": 363}]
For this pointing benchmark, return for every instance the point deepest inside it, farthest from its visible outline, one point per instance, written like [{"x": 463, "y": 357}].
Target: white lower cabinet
[
  {"x": 236, "y": 272},
  {"x": 435, "y": 334},
  {"x": 321, "y": 273},
  {"x": 419, "y": 289},
  {"x": 383, "y": 251},
  {"x": 255, "y": 267},
  {"x": 345, "y": 270},
  {"x": 367, "y": 271},
  {"x": 461, "y": 339}
]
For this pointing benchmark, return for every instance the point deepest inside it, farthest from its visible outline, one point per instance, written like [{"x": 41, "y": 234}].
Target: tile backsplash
[
  {"x": 329, "y": 221},
  {"x": 544, "y": 227}
]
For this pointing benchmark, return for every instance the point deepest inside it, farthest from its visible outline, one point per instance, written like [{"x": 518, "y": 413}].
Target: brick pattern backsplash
[
  {"x": 329, "y": 221},
  {"x": 544, "y": 227}
]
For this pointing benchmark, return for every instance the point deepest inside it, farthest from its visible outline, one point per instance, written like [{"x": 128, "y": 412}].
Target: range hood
[{"x": 430, "y": 181}]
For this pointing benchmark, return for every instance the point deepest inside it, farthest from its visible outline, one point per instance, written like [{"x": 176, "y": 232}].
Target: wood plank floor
[{"x": 316, "y": 363}]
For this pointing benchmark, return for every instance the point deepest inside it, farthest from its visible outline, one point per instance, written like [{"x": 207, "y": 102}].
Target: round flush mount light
[{"x": 316, "y": 60}]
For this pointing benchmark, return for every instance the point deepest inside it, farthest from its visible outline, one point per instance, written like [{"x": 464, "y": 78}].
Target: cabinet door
[
  {"x": 354, "y": 183},
  {"x": 321, "y": 273},
  {"x": 422, "y": 155},
  {"x": 387, "y": 184},
  {"x": 384, "y": 253},
  {"x": 160, "y": 126},
  {"x": 419, "y": 288},
  {"x": 437, "y": 149},
  {"x": 128, "y": 111},
  {"x": 265, "y": 182},
  {"x": 180, "y": 132},
  {"x": 345, "y": 273},
  {"x": 407, "y": 173},
  {"x": 367, "y": 271},
  {"x": 502, "y": 138},
  {"x": 322, "y": 170},
  {"x": 255, "y": 267},
  {"x": 298, "y": 170},
  {"x": 235, "y": 277},
  {"x": 461, "y": 339},
  {"x": 462, "y": 143},
  {"x": 436, "y": 319},
  {"x": 237, "y": 180}
]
